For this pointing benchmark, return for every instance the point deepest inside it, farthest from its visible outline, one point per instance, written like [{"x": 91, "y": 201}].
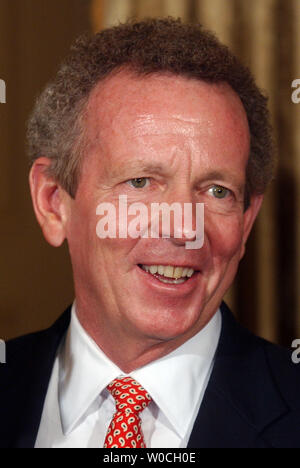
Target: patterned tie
[{"x": 125, "y": 428}]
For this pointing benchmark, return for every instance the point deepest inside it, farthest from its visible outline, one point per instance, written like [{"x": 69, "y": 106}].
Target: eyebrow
[{"x": 140, "y": 166}]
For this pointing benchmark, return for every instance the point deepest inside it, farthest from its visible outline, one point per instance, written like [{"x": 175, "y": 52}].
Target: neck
[
  {"x": 127, "y": 353},
  {"x": 131, "y": 352}
]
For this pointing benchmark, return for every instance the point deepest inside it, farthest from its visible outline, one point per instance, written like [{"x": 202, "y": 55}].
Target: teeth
[
  {"x": 177, "y": 272},
  {"x": 153, "y": 269},
  {"x": 169, "y": 271},
  {"x": 190, "y": 272},
  {"x": 172, "y": 281},
  {"x": 185, "y": 271}
]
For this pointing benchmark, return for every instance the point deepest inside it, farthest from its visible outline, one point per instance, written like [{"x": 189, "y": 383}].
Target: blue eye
[
  {"x": 219, "y": 192},
  {"x": 139, "y": 182}
]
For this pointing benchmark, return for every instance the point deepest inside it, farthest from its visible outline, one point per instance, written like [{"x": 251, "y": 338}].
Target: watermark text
[
  {"x": 296, "y": 353},
  {"x": 296, "y": 94},
  {"x": 2, "y": 352},
  {"x": 151, "y": 456},
  {"x": 2, "y": 92},
  {"x": 137, "y": 220}
]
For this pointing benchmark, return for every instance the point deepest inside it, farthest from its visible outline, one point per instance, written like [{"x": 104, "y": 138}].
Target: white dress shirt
[{"x": 78, "y": 408}]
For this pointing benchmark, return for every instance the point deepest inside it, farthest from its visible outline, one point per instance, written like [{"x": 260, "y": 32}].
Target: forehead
[
  {"x": 127, "y": 108},
  {"x": 161, "y": 118}
]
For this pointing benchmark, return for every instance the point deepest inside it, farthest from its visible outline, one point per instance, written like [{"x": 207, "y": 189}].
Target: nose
[{"x": 181, "y": 219}]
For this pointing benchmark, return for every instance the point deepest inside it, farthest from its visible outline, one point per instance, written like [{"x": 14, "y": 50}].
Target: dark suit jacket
[{"x": 252, "y": 398}]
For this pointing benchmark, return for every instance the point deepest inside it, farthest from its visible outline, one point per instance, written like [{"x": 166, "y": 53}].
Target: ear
[
  {"x": 249, "y": 217},
  {"x": 50, "y": 202}
]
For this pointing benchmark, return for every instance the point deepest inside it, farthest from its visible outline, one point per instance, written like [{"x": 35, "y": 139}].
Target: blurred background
[{"x": 35, "y": 35}]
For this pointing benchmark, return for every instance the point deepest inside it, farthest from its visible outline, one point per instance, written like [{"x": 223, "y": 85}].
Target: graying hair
[{"x": 56, "y": 128}]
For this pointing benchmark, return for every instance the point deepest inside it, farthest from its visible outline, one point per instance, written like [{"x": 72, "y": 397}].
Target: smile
[{"x": 169, "y": 274}]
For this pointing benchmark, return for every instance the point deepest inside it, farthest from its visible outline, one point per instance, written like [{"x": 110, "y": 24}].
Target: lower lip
[{"x": 172, "y": 288}]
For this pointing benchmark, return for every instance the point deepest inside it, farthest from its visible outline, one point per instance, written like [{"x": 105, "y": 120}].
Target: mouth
[{"x": 169, "y": 274}]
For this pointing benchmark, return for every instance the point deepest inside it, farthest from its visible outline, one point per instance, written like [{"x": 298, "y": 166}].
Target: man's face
[{"x": 187, "y": 142}]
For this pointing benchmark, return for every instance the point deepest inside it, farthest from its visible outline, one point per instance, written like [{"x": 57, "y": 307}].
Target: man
[{"x": 149, "y": 356}]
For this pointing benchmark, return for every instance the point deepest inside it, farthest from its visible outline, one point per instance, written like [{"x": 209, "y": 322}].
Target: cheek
[
  {"x": 81, "y": 235},
  {"x": 224, "y": 235}
]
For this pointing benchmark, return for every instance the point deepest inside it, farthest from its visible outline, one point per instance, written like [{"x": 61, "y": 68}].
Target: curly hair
[{"x": 56, "y": 126}]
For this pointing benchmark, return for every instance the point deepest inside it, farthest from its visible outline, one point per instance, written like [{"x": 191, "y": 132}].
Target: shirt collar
[
  {"x": 85, "y": 371},
  {"x": 178, "y": 380}
]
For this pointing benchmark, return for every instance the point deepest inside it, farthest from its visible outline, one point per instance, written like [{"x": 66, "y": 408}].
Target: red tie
[{"x": 125, "y": 428}]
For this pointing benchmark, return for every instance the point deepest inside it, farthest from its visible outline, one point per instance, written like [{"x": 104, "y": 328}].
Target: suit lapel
[{"x": 240, "y": 400}]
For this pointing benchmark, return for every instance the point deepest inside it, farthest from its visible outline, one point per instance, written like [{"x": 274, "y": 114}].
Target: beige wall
[{"x": 35, "y": 279}]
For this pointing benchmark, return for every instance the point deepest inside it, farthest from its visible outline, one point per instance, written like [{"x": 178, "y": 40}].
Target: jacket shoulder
[
  {"x": 261, "y": 354},
  {"x": 24, "y": 381},
  {"x": 285, "y": 372},
  {"x": 28, "y": 347}
]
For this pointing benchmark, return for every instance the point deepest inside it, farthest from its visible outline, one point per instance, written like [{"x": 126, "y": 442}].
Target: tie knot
[{"x": 129, "y": 395}]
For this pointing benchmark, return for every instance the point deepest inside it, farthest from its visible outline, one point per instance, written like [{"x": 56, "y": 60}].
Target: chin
[{"x": 172, "y": 325}]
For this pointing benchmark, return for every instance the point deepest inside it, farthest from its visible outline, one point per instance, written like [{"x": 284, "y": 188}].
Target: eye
[
  {"x": 139, "y": 182},
  {"x": 219, "y": 192}
]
